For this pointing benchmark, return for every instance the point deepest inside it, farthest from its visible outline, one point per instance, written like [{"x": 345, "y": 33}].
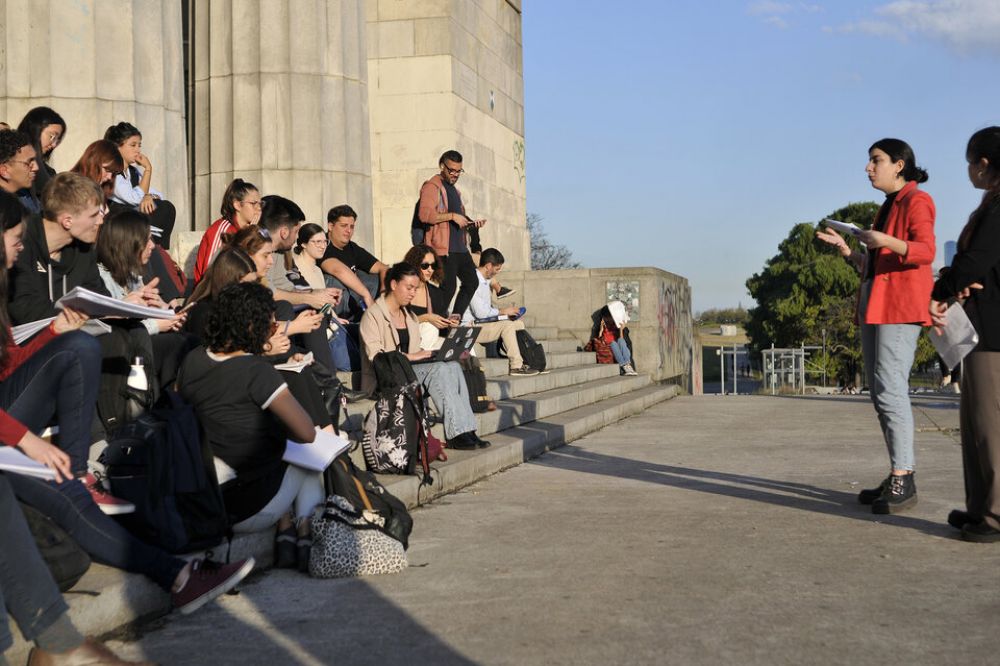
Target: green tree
[
  {"x": 806, "y": 289},
  {"x": 715, "y": 316}
]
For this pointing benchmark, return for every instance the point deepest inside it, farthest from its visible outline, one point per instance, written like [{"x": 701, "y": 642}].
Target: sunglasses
[{"x": 426, "y": 266}]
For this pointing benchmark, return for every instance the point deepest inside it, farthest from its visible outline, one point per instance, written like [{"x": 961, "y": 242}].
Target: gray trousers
[
  {"x": 980, "y": 420},
  {"x": 446, "y": 385}
]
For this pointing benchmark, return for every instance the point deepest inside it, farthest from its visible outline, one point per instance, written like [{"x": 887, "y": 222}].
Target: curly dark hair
[
  {"x": 415, "y": 256},
  {"x": 240, "y": 319}
]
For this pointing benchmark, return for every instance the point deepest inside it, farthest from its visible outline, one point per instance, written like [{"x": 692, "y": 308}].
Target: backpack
[
  {"x": 158, "y": 463},
  {"x": 64, "y": 558},
  {"x": 418, "y": 230},
  {"x": 363, "y": 490},
  {"x": 475, "y": 380},
  {"x": 531, "y": 351},
  {"x": 117, "y": 403},
  {"x": 394, "y": 436}
]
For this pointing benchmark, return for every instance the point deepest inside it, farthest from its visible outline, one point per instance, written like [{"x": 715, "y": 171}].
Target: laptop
[{"x": 457, "y": 345}]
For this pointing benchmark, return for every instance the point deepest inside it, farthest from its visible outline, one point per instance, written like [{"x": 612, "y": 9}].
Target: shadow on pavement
[{"x": 753, "y": 488}]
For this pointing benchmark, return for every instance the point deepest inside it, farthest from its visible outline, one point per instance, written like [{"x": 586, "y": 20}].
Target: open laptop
[{"x": 458, "y": 344}]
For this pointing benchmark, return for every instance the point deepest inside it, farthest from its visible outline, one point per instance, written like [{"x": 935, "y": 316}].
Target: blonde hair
[{"x": 69, "y": 193}]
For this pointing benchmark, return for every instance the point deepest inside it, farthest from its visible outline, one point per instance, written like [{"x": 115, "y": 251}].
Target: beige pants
[{"x": 506, "y": 331}]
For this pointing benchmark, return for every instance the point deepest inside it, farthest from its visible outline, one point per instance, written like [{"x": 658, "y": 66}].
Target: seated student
[
  {"x": 240, "y": 208},
  {"x": 100, "y": 162},
  {"x": 481, "y": 307},
  {"x": 18, "y": 168},
  {"x": 611, "y": 329},
  {"x": 132, "y": 184},
  {"x": 351, "y": 266},
  {"x": 123, "y": 249},
  {"x": 428, "y": 303},
  {"x": 248, "y": 413},
  {"x": 389, "y": 325},
  {"x": 55, "y": 377},
  {"x": 46, "y": 129},
  {"x": 29, "y": 593}
]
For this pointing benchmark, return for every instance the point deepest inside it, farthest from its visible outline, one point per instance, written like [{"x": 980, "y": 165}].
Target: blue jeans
[
  {"x": 620, "y": 350},
  {"x": 446, "y": 385},
  {"x": 60, "y": 382},
  {"x": 888, "y": 351},
  {"x": 26, "y": 586}
]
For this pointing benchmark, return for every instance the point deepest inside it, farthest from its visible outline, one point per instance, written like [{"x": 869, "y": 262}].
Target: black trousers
[{"x": 459, "y": 265}]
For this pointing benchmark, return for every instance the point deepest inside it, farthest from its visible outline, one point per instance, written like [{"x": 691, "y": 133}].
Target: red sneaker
[
  {"x": 209, "y": 580},
  {"x": 109, "y": 504}
]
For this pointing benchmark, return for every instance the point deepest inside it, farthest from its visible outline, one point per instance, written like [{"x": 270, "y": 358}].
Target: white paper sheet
[
  {"x": 98, "y": 305},
  {"x": 318, "y": 455},
  {"x": 12, "y": 460},
  {"x": 844, "y": 227},
  {"x": 958, "y": 337}
]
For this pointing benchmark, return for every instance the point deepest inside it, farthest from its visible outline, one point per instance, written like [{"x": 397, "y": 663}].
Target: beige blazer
[{"x": 379, "y": 335}]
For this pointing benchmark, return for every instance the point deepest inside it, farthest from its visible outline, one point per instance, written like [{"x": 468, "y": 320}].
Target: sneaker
[
  {"x": 465, "y": 441},
  {"x": 958, "y": 518},
  {"x": 110, "y": 505},
  {"x": 980, "y": 533},
  {"x": 524, "y": 371},
  {"x": 505, "y": 292},
  {"x": 209, "y": 580},
  {"x": 285, "y": 549},
  {"x": 869, "y": 495},
  {"x": 628, "y": 370},
  {"x": 901, "y": 493}
]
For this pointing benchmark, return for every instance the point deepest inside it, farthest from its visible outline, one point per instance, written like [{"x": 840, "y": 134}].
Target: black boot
[
  {"x": 285, "y": 549},
  {"x": 901, "y": 493},
  {"x": 869, "y": 495}
]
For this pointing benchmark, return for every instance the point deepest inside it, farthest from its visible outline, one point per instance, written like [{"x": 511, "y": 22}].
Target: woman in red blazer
[{"x": 896, "y": 282}]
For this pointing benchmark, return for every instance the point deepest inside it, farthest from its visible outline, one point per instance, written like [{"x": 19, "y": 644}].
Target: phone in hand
[{"x": 326, "y": 309}]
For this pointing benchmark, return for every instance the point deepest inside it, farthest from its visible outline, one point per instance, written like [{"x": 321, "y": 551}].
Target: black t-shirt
[
  {"x": 353, "y": 256},
  {"x": 231, "y": 397},
  {"x": 880, "y": 220},
  {"x": 456, "y": 240}
]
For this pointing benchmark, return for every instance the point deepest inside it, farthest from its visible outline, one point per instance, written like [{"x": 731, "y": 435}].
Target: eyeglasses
[
  {"x": 320, "y": 242},
  {"x": 454, "y": 172},
  {"x": 425, "y": 266},
  {"x": 255, "y": 204},
  {"x": 27, "y": 163}
]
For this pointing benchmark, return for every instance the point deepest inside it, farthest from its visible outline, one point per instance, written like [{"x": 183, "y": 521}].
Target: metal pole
[
  {"x": 735, "y": 373},
  {"x": 722, "y": 370},
  {"x": 802, "y": 370}
]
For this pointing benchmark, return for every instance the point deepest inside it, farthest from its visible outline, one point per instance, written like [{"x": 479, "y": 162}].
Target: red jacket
[
  {"x": 901, "y": 288},
  {"x": 12, "y": 430},
  {"x": 434, "y": 200},
  {"x": 211, "y": 243}
]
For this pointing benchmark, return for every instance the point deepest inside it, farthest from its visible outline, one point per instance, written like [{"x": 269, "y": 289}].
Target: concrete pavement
[{"x": 706, "y": 530}]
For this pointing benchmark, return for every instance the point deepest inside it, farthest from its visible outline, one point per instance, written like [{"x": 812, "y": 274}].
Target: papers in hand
[
  {"x": 958, "y": 336},
  {"x": 98, "y": 305},
  {"x": 12, "y": 460},
  {"x": 25, "y": 331},
  {"x": 296, "y": 366},
  {"x": 318, "y": 455},
  {"x": 844, "y": 227}
]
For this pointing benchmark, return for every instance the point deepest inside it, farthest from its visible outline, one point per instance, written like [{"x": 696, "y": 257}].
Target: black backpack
[
  {"x": 531, "y": 351},
  {"x": 117, "y": 403},
  {"x": 475, "y": 380},
  {"x": 394, "y": 436},
  {"x": 363, "y": 491},
  {"x": 64, "y": 558},
  {"x": 418, "y": 230},
  {"x": 158, "y": 463}
]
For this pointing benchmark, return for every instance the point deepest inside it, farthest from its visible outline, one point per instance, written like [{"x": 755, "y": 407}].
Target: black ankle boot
[
  {"x": 285, "y": 549},
  {"x": 869, "y": 495},
  {"x": 901, "y": 493}
]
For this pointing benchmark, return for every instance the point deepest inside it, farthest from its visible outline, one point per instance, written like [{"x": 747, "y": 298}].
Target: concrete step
[
  {"x": 106, "y": 599},
  {"x": 507, "y": 386},
  {"x": 551, "y": 345}
]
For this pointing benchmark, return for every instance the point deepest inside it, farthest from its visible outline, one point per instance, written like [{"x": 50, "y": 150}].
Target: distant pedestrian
[
  {"x": 896, "y": 283},
  {"x": 974, "y": 276}
]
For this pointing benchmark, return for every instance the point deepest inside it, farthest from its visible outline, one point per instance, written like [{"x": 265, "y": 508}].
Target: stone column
[
  {"x": 280, "y": 99},
  {"x": 98, "y": 62}
]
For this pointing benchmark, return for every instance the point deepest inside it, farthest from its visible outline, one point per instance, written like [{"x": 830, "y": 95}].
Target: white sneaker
[{"x": 629, "y": 370}]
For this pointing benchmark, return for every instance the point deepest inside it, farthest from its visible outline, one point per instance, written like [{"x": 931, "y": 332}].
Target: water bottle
[
  {"x": 137, "y": 379},
  {"x": 138, "y": 398}
]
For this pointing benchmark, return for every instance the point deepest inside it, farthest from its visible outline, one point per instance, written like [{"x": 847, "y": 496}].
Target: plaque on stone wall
[{"x": 626, "y": 291}]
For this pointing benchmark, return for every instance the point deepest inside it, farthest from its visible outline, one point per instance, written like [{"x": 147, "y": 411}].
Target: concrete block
[
  {"x": 395, "y": 39},
  {"x": 411, "y": 151},
  {"x": 414, "y": 112},
  {"x": 395, "y": 10},
  {"x": 115, "y": 76},
  {"x": 466, "y": 81},
  {"x": 432, "y": 36},
  {"x": 221, "y": 116},
  {"x": 307, "y": 35},
  {"x": 305, "y": 112},
  {"x": 333, "y": 123},
  {"x": 351, "y": 38},
  {"x": 251, "y": 94},
  {"x": 71, "y": 42},
  {"x": 424, "y": 74},
  {"x": 395, "y": 233},
  {"x": 356, "y": 128},
  {"x": 147, "y": 51},
  {"x": 224, "y": 15}
]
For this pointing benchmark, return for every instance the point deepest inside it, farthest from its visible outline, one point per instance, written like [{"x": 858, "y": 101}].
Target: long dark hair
[
  {"x": 35, "y": 121},
  {"x": 12, "y": 213},
  {"x": 230, "y": 266},
  {"x": 396, "y": 273},
  {"x": 984, "y": 144},
  {"x": 237, "y": 189},
  {"x": 897, "y": 150},
  {"x": 120, "y": 133},
  {"x": 121, "y": 242}
]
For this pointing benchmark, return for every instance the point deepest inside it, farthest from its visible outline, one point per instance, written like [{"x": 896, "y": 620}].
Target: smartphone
[{"x": 325, "y": 310}]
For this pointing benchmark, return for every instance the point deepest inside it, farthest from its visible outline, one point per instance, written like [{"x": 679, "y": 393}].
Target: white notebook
[
  {"x": 98, "y": 305},
  {"x": 318, "y": 455},
  {"x": 12, "y": 460}
]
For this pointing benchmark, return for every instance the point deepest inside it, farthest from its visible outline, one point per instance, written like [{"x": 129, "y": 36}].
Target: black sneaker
[
  {"x": 869, "y": 495},
  {"x": 958, "y": 518},
  {"x": 980, "y": 533},
  {"x": 901, "y": 493},
  {"x": 505, "y": 292},
  {"x": 465, "y": 441},
  {"x": 285, "y": 551}
]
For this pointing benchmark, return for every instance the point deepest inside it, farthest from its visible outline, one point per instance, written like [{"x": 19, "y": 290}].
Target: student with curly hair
[{"x": 248, "y": 412}]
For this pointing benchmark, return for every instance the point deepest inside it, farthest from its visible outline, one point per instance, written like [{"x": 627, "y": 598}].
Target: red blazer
[{"x": 901, "y": 289}]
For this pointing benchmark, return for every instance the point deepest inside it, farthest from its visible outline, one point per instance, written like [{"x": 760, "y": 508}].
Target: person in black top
[
  {"x": 974, "y": 276},
  {"x": 248, "y": 413},
  {"x": 350, "y": 266}
]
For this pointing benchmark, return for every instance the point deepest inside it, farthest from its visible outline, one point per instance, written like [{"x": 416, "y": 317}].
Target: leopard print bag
[{"x": 347, "y": 543}]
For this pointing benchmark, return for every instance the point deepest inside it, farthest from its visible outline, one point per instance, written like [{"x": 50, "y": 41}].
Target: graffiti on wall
[
  {"x": 674, "y": 318},
  {"x": 626, "y": 291},
  {"x": 519, "y": 159}
]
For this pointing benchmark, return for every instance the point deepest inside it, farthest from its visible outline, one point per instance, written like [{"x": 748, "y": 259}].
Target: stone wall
[
  {"x": 659, "y": 304},
  {"x": 447, "y": 74},
  {"x": 281, "y": 99},
  {"x": 98, "y": 62}
]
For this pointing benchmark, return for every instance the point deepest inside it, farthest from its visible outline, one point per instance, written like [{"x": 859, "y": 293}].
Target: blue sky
[{"x": 692, "y": 136}]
